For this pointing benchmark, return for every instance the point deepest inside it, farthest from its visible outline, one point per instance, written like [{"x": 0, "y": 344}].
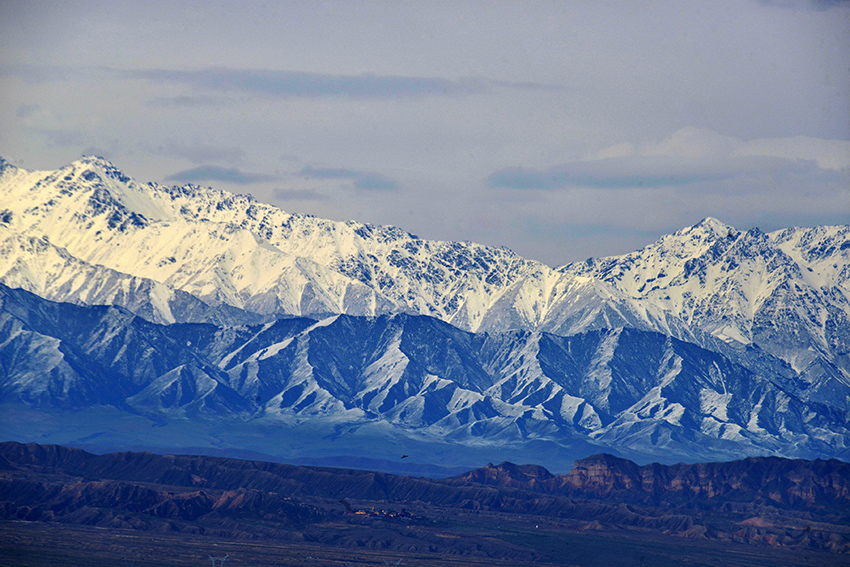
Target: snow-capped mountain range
[{"x": 734, "y": 340}]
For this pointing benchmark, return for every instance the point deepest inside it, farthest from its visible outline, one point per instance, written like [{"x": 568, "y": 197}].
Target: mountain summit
[{"x": 773, "y": 306}]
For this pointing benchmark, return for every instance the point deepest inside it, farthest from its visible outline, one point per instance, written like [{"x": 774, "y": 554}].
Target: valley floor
[{"x": 473, "y": 540}]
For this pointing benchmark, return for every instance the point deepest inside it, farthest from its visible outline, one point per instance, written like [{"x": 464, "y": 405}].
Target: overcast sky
[{"x": 562, "y": 130}]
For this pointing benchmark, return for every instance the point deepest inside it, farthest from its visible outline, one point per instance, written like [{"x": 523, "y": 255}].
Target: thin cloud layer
[
  {"x": 313, "y": 85},
  {"x": 298, "y": 195},
  {"x": 558, "y": 129},
  {"x": 644, "y": 171},
  {"x": 216, "y": 173},
  {"x": 686, "y": 157},
  {"x": 186, "y": 101},
  {"x": 276, "y": 83},
  {"x": 196, "y": 152},
  {"x": 366, "y": 180}
]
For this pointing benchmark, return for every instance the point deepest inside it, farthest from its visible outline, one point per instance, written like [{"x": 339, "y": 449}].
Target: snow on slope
[
  {"x": 786, "y": 292},
  {"x": 36, "y": 265},
  {"x": 229, "y": 249},
  {"x": 622, "y": 389},
  {"x": 105, "y": 219},
  {"x": 185, "y": 253}
]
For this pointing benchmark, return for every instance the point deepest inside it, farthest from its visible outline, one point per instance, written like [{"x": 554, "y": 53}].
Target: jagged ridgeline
[{"x": 239, "y": 321}]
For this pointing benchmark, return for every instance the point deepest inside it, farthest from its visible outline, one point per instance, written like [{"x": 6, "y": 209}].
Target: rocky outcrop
[
  {"x": 766, "y": 481},
  {"x": 753, "y": 500},
  {"x": 788, "y": 483}
]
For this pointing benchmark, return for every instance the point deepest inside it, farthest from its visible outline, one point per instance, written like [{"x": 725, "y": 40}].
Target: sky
[{"x": 562, "y": 130}]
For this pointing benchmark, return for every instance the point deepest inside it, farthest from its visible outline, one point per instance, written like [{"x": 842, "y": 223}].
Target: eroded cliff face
[
  {"x": 602, "y": 475},
  {"x": 792, "y": 503},
  {"x": 509, "y": 475},
  {"x": 771, "y": 481},
  {"x": 768, "y": 480},
  {"x": 116, "y": 504}
]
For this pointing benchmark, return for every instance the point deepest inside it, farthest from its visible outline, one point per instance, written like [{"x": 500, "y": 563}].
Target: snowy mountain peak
[
  {"x": 5, "y": 165},
  {"x": 89, "y": 166},
  {"x": 11, "y": 173},
  {"x": 94, "y": 161},
  {"x": 711, "y": 227},
  {"x": 510, "y": 347},
  {"x": 694, "y": 240},
  {"x": 186, "y": 253}
]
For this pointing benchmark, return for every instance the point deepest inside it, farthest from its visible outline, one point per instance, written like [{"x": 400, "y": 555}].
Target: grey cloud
[
  {"x": 291, "y": 84},
  {"x": 328, "y": 172},
  {"x": 26, "y": 110},
  {"x": 46, "y": 73},
  {"x": 196, "y": 153},
  {"x": 528, "y": 86},
  {"x": 819, "y": 5},
  {"x": 643, "y": 171},
  {"x": 57, "y": 137},
  {"x": 374, "y": 182},
  {"x": 216, "y": 173},
  {"x": 314, "y": 85},
  {"x": 298, "y": 195},
  {"x": 366, "y": 180},
  {"x": 186, "y": 101}
]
